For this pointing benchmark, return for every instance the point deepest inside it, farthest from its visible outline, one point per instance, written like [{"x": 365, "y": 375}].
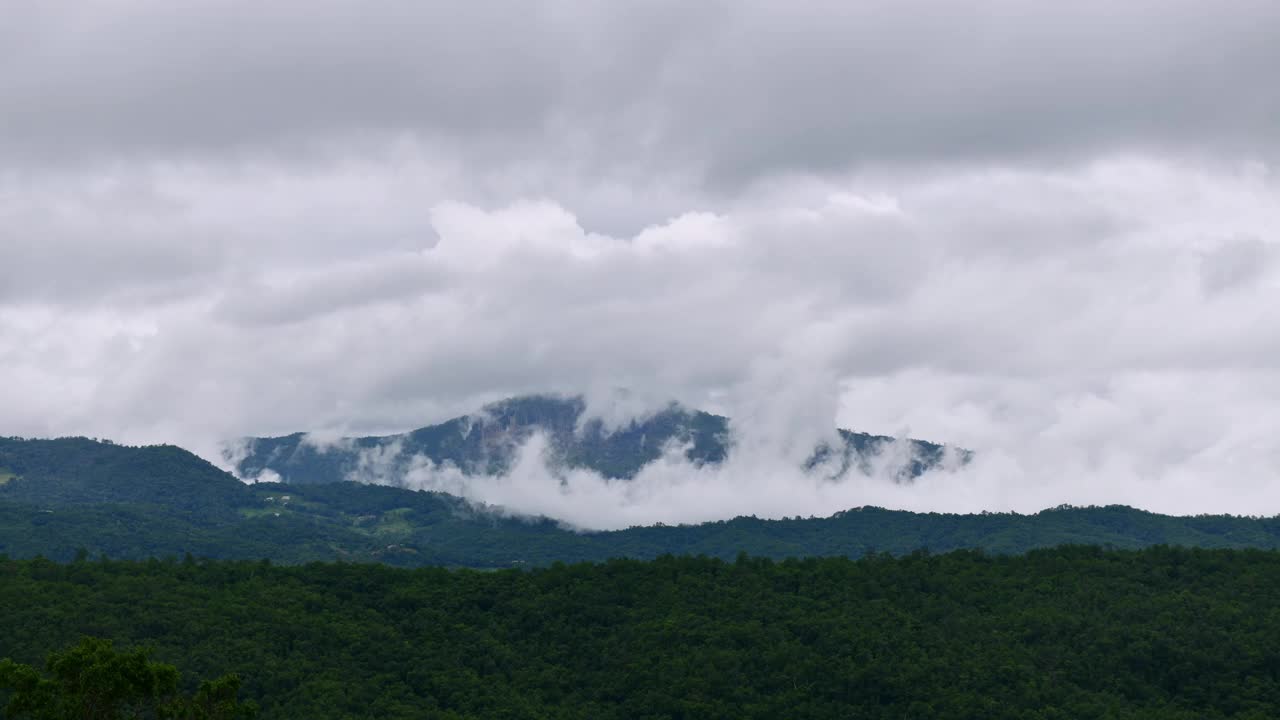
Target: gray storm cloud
[
  {"x": 728, "y": 90},
  {"x": 1042, "y": 232}
]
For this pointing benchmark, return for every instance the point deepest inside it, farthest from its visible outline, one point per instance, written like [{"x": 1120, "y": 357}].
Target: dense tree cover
[
  {"x": 94, "y": 681},
  {"x": 64, "y": 495},
  {"x": 79, "y": 471},
  {"x": 1072, "y": 632},
  {"x": 346, "y": 521}
]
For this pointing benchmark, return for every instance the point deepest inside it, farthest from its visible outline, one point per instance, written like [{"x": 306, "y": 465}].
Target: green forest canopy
[
  {"x": 94, "y": 681},
  {"x": 1071, "y": 632}
]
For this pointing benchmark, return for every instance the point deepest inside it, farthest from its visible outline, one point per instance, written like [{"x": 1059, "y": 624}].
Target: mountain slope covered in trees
[{"x": 73, "y": 494}]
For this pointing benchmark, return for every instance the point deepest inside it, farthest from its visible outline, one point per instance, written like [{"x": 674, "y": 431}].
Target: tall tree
[{"x": 94, "y": 681}]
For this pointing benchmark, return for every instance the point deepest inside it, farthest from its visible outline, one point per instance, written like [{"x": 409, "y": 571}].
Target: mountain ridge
[
  {"x": 487, "y": 443},
  {"x": 75, "y": 494}
]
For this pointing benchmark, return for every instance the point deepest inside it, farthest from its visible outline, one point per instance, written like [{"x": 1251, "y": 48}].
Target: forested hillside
[
  {"x": 65, "y": 496},
  {"x": 77, "y": 471},
  {"x": 1067, "y": 633}
]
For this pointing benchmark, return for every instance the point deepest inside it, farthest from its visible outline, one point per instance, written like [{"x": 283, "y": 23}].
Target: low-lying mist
[{"x": 765, "y": 476}]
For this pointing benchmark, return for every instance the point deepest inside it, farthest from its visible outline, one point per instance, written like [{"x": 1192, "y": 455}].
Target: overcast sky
[{"x": 1044, "y": 231}]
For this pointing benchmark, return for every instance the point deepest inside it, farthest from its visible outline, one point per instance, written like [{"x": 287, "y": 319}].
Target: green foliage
[
  {"x": 93, "y": 681},
  {"x": 1072, "y": 632},
  {"x": 80, "y": 471},
  {"x": 162, "y": 501}
]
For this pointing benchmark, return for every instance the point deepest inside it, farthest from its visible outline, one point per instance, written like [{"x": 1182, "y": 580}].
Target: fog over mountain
[
  {"x": 543, "y": 455},
  {"x": 1045, "y": 235}
]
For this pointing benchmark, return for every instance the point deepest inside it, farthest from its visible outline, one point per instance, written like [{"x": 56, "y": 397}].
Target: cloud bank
[{"x": 1047, "y": 236}]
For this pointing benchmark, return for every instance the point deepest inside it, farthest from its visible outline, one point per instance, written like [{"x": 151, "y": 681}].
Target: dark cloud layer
[{"x": 733, "y": 91}]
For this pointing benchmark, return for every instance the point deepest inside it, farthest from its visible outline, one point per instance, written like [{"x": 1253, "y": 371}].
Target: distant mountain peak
[{"x": 488, "y": 442}]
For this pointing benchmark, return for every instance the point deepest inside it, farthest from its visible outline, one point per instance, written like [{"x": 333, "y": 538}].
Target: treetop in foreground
[{"x": 94, "y": 681}]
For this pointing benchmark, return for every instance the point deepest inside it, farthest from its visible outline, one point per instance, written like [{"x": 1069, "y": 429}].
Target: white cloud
[
  {"x": 213, "y": 225},
  {"x": 1054, "y": 321}
]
